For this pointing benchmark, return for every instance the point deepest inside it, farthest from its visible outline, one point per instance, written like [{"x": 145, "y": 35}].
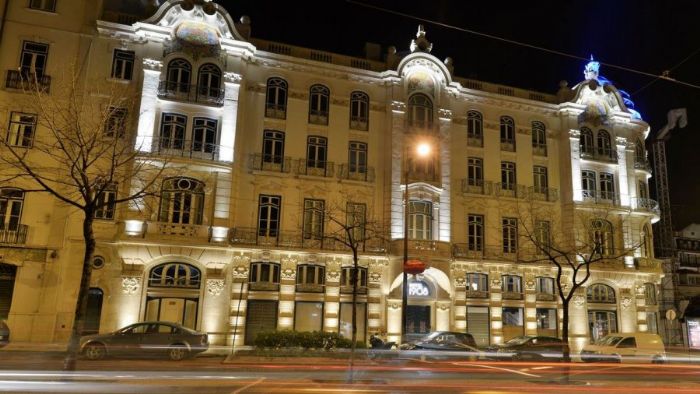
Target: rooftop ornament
[{"x": 420, "y": 43}]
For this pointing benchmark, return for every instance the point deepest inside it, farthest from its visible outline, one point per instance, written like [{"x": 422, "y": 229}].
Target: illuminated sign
[{"x": 418, "y": 289}]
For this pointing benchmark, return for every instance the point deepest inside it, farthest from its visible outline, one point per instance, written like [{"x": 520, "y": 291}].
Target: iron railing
[
  {"x": 477, "y": 186},
  {"x": 186, "y": 148},
  {"x": 356, "y": 173},
  {"x": 24, "y": 80},
  {"x": 477, "y": 141},
  {"x": 359, "y": 123},
  {"x": 275, "y": 111},
  {"x": 170, "y": 90},
  {"x": 647, "y": 204},
  {"x": 264, "y": 162},
  {"x": 601, "y": 197},
  {"x": 14, "y": 236},
  {"x": 539, "y": 149},
  {"x": 549, "y": 194},
  {"x": 510, "y": 190},
  {"x": 599, "y": 154},
  {"x": 297, "y": 240},
  {"x": 319, "y": 168}
]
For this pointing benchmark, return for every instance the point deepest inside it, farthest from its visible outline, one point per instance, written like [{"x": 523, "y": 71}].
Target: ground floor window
[
  {"x": 176, "y": 310},
  {"x": 547, "y": 322},
  {"x": 308, "y": 316},
  {"x": 693, "y": 332},
  {"x": 261, "y": 316},
  {"x": 478, "y": 324},
  {"x": 7, "y": 286},
  {"x": 417, "y": 319},
  {"x": 94, "y": 311},
  {"x": 345, "y": 323},
  {"x": 601, "y": 323},
  {"x": 652, "y": 322},
  {"x": 513, "y": 323}
]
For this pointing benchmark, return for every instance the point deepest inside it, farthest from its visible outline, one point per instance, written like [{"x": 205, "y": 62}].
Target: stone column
[{"x": 288, "y": 275}]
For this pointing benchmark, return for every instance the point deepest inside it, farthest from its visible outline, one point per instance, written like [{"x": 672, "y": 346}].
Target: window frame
[
  {"x": 475, "y": 232},
  {"x": 123, "y": 64},
  {"x": 30, "y": 49},
  {"x": 179, "y": 198},
  {"x": 540, "y": 179},
  {"x": 174, "y": 124},
  {"x": 319, "y": 104},
  {"x": 116, "y": 122},
  {"x": 420, "y": 111},
  {"x": 191, "y": 282},
  {"x": 512, "y": 284},
  {"x": 589, "y": 183},
  {"x": 509, "y": 175},
  {"x": 357, "y": 157},
  {"x": 11, "y": 208},
  {"x": 276, "y": 95},
  {"x": 420, "y": 222},
  {"x": 273, "y": 146},
  {"x": 181, "y": 69},
  {"x": 19, "y": 133},
  {"x": 257, "y": 270},
  {"x": 478, "y": 279},
  {"x": 316, "y": 152},
  {"x": 272, "y": 205},
  {"x": 317, "y": 273},
  {"x": 359, "y": 111},
  {"x": 106, "y": 198},
  {"x": 539, "y": 138},
  {"x": 204, "y": 130},
  {"x": 475, "y": 171},
  {"x": 507, "y": 132},
  {"x": 346, "y": 276},
  {"x": 600, "y": 293},
  {"x": 313, "y": 219},
  {"x": 509, "y": 237},
  {"x": 602, "y": 233},
  {"x": 586, "y": 142}
]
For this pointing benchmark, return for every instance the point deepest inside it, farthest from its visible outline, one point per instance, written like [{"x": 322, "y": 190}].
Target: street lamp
[{"x": 422, "y": 150}]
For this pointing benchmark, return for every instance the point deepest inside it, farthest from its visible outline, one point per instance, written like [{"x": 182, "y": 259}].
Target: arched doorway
[
  {"x": 173, "y": 294},
  {"x": 8, "y": 273},
  {"x": 421, "y": 294}
]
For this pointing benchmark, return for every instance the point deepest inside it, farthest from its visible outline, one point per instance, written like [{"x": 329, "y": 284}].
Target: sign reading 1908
[{"x": 418, "y": 289}]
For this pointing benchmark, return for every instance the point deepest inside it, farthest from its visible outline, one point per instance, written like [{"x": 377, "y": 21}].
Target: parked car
[
  {"x": 4, "y": 333},
  {"x": 458, "y": 344},
  {"x": 632, "y": 347},
  {"x": 146, "y": 339},
  {"x": 528, "y": 347}
]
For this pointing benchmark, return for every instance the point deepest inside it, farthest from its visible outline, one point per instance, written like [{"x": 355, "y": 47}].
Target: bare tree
[
  {"x": 80, "y": 151},
  {"x": 588, "y": 241}
]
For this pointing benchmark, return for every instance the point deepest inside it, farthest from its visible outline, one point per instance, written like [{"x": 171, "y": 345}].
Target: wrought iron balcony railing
[
  {"x": 186, "y": 148},
  {"x": 599, "y": 154},
  {"x": 647, "y": 204},
  {"x": 477, "y": 186},
  {"x": 474, "y": 140},
  {"x": 318, "y": 168},
  {"x": 539, "y": 149},
  {"x": 356, "y": 173},
  {"x": 318, "y": 117},
  {"x": 14, "y": 236},
  {"x": 297, "y": 240},
  {"x": 359, "y": 123},
  {"x": 275, "y": 111},
  {"x": 208, "y": 95},
  {"x": 601, "y": 197},
  {"x": 510, "y": 190},
  {"x": 549, "y": 194},
  {"x": 642, "y": 164},
  {"x": 25, "y": 80},
  {"x": 508, "y": 145},
  {"x": 275, "y": 163}
]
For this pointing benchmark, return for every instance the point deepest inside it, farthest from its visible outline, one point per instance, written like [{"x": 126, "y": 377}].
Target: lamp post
[{"x": 422, "y": 150}]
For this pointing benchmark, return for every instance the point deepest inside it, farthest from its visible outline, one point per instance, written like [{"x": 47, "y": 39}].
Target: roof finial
[
  {"x": 591, "y": 69},
  {"x": 421, "y": 43}
]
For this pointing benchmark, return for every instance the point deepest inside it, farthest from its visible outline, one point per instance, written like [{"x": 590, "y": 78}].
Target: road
[{"x": 34, "y": 372}]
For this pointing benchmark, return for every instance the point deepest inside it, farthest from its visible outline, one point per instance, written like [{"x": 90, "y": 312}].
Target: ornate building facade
[{"x": 270, "y": 137}]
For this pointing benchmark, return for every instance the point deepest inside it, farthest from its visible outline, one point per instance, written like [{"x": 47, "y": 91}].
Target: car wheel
[
  {"x": 177, "y": 353},
  {"x": 95, "y": 351}
]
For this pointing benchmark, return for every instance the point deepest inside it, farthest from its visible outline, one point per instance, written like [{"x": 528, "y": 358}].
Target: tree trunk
[
  {"x": 69, "y": 362},
  {"x": 566, "y": 356}
]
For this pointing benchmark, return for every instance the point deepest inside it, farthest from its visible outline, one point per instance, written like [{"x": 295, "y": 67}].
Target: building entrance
[
  {"x": 7, "y": 286},
  {"x": 417, "y": 319}
]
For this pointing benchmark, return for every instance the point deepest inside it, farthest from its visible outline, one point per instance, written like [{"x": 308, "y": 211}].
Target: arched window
[
  {"x": 175, "y": 275},
  {"x": 420, "y": 224},
  {"x": 605, "y": 144},
  {"x": 601, "y": 293},
  {"x": 586, "y": 142},
  {"x": 276, "y": 98},
  {"x": 182, "y": 201},
  {"x": 602, "y": 237},
  {"x": 420, "y": 111},
  {"x": 11, "y": 202},
  {"x": 507, "y": 134},
  {"x": 359, "y": 111},
  {"x": 319, "y": 97},
  {"x": 209, "y": 85},
  {"x": 179, "y": 71},
  {"x": 539, "y": 139},
  {"x": 640, "y": 155},
  {"x": 475, "y": 130}
]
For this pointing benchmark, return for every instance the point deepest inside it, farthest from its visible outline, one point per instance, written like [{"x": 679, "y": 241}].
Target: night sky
[{"x": 647, "y": 35}]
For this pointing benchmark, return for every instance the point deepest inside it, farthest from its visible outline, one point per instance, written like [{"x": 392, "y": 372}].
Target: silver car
[
  {"x": 146, "y": 339},
  {"x": 4, "y": 333}
]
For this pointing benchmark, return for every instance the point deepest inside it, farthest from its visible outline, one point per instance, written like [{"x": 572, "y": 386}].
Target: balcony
[
  {"x": 512, "y": 295},
  {"x": 310, "y": 288},
  {"x": 548, "y": 194},
  {"x": 477, "y": 294},
  {"x": 359, "y": 123},
  {"x": 508, "y": 145},
  {"x": 642, "y": 164},
  {"x": 475, "y": 141},
  {"x": 348, "y": 289},
  {"x": 601, "y": 197},
  {"x": 421, "y": 247},
  {"x": 647, "y": 205},
  {"x": 16, "y": 236},
  {"x": 191, "y": 93},
  {"x": 275, "y": 111},
  {"x": 356, "y": 173},
  {"x": 325, "y": 169},
  {"x": 477, "y": 186},
  {"x": 604, "y": 155},
  {"x": 539, "y": 149},
  {"x": 510, "y": 190},
  {"x": 318, "y": 117},
  {"x": 263, "y": 286},
  {"x": 24, "y": 80},
  {"x": 186, "y": 148},
  {"x": 545, "y": 297},
  {"x": 296, "y": 240},
  {"x": 462, "y": 251},
  {"x": 272, "y": 163}
]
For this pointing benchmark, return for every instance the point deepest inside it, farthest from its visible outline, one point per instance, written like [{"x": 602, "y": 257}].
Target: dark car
[
  {"x": 528, "y": 347},
  {"x": 457, "y": 343},
  {"x": 4, "y": 333},
  {"x": 146, "y": 339}
]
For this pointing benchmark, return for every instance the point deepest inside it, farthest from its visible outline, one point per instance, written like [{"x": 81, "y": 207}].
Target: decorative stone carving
[
  {"x": 240, "y": 272},
  {"x": 265, "y": 255},
  {"x": 443, "y": 307},
  {"x": 152, "y": 64},
  {"x": 333, "y": 275},
  {"x": 460, "y": 281},
  {"x": 420, "y": 43},
  {"x": 215, "y": 287},
  {"x": 626, "y": 302},
  {"x": 398, "y": 106},
  {"x": 375, "y": 277},
  {"x": 131, "y": 284},
  {"x": 530, "y": 283},
  {"x": 578, "y": 300},
  {"x": 444, "y": 114},
  {"x": 496, "y": 283},
  {"x": 640, "y": 290},
  {"x": 233, "y": 77},
  {"x": 289, "y": 273},
  {"x": 395, "y": 305}
]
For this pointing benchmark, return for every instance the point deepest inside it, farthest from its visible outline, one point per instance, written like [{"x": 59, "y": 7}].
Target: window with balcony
[
  {"x": 276, "y": 98},
  {"x": 357, "y": 157},
  {"x": 475, "y": 229},
  {"x": 172, "y": 131},
  {"x": 475, "y": 129},
  {"x": 475, "y": 172},
  {"x": 182, "y": 201},
  {"x": 123, "y": 64},
  {"x": 602, "y": 237},
  {"x": 311, "y": 278},
  {"x": 543, "y": 236},
  {"x": 204, "y": 135},
  {"x": 508, "y": 180},
  {"x": 420, "y": 220},
  {"x": 607, "y": 186},
  {"x": 33, "y": 60},
  {"x": 605, "y": 144},
  {"x": 43, "y": 5},
  {"x": 539, "y": 139},
  {"x": 265, "y": 272},
  {"x": 544, "y": 287},
  {"x": 316, "y": 151},
  {"x": 313, "y": 218},
  {"x": 586, "y": 142},
  {"x": 420, "y": 111},
  {"x": 11, "y": 202},
  {"x": 178, "y": 76},
  {"x": 600, "y": 293},
  {"x": 510, "y": 235},
  {"x": 640, "y": 154},
  {"x": 319, "y": 101},
  {"x": 507, "y": 133},
  {"x": 540, "y": 181},
  {"x": 175, "y": 275},
  {"x": 588, "y": 184},
  {"x": 115, "y": 124},
  {"x": 21, "y": 130},
  {"x": 359, "y": 111},
  {"x": 209, "y": 82},
  {"x": 642, "y": 189},
  {"x": 346, "y": 277},
  {"x": 269, "y": 215},
  {"x": 511, "y": 285},
  {"x": 273, "y": 147},
  {"x": 106, "y": 202},
  {"x": 477, "y": 282}
]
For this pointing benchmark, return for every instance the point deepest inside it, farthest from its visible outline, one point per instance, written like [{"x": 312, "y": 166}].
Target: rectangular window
[
  {"x": 543, "y": 236},
  {"x": 540, "y": 180},
  {"x": 355, "y": 220},
  {"x": 477, "y": 283},
  {"x": 11, "y": 201},
  {"x": 316, "y": 151},
  {"x": 544, "y": 285},
  {"x": 588, "y": 184},
  {"x": 204, "y": 135},
  {"x": 420, "y": 221},
  {"x": 269, "y": 215},
  {"x": 265, "y": 272},
  {"x": 475, "y": 229},
  {"x": 123, "y": 64},
  {"x": 513, "y": 323},
  {"x": 21, "y": 130},
  {"x": 508, "y": 180},
  {"x": 313, "y": 219},
  {"x": 115, "y": 125},
  {"x": 172, "y": 131},
  {"x": 510, "y": 235},
  {"x": 309, "y": 274},
  {"x": 273, "y": 147},
  {"x": 607, "y": 186},
  {"x": 357, "y": 157},
  {"x": 308, "y": 316},
  {"x": 345, "y": 321},
  {"x": 106, "y": 203},
  {"x": 43, "y": 5},
  {"x": 475, "y": 171},
  {"x": 346, "y": 277},
  {"x": 511, "y": 284},
  {"x": 33, "y": 60},
  {"x": 547, "y": 322},
  {"x": 601, "y": 323}
]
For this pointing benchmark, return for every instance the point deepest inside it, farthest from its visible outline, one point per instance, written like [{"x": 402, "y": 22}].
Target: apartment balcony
[
  {"x": 420, "y": 247},
  {"x": 272, "y": 163},
  {"x": 508, "y": 145},
  {"x": 318, "y": 117},
  {"x": 510, "y": 190},
  {"x": 192, "y": 93},
  {"x": 310, "y": 288},
  {"x": 643, "y": 165},
  {"x": 464, "y": 252},
  {"x": 359, "y": 123},
  {"x": 27, "y": 81},
  {"x": 545, "y": 297},
  {"x": 186, "y": 149},
  {"x": 348, "y": 289},
  {"x": 647, "y": 205},
  {"x": 539, "y": 149},
  {"x": 276, "y": 111},
  {"x": 324, "y": 169},
  {"x": 475, "y": 141},
  {"x": 14, "y": 236},
  {"x": 296, "y": 240},
  {"x": 512, "y": 295},
  {"x": 477, "y": 186},
  {"x": 548, "y": 194},
  {"x": 356, "y": 173},
  {"x": 604, "y": 155},
  {"x": 477, "y": 294},
  {"x": 600, "y": 197},
  {"x": 263, "y": 286}
]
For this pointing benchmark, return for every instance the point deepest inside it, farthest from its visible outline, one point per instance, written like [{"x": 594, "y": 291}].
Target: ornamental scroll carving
[
  {"x": 131, "y": 284},
  {"x": 579, "y": 300},
  {"x": 215, "y": 287}
]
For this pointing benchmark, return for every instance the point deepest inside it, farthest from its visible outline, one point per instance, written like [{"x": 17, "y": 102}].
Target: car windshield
[
  {"x": 430, "y": 336},
  {"x": 518, "y": 340},
  {"x": 608, "y": 341}
]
